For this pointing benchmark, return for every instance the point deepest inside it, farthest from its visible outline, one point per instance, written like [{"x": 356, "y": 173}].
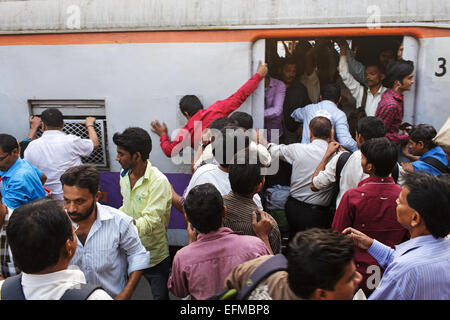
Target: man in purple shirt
[
  {"x": 200, "y": 268},
  {"x": 371, "y": 207},
  {"x": 275, "y": 91}
]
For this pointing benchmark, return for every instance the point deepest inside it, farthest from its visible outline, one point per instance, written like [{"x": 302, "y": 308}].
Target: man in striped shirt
[{"x": 417, "y": 269}]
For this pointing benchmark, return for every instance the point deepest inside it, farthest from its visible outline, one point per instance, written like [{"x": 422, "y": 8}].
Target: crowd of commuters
[{"x": 361, "y": 224}]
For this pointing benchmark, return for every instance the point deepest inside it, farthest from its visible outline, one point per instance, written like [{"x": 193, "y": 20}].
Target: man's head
[
  {"x": 242, "y": 119},
  {"x": 374, "y": 74},
  {"x": 330, "y": 91},
  {"x": 424, "y": 204},
  {"x": 320, "y": 265},
  {"x": 226, "y": 144},
  {"x": 133, "y": 146},
  {"x": 41, "y": 236},
  {"x": 421, "y": 139},
  {"x": 189, "y": 105},
  {"x": 400, "y": 75},
  {"x": 52, "y": 119},
  {"x": 353, "y": 119},
  {"x": 9, "y": 151},
  {"x": 204, "y": 208},
  {"x": 80, "y": 187},
  {"x": 369, "y": 128},
  {"x": 245, "y": 174},
  {"x": 386, "y": 56},
  {"x": 288, "y": 71},
  {"x": 320, "y": 128},
  {"x": 378, "y": 157}
]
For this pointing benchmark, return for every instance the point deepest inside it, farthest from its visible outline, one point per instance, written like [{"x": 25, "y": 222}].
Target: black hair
[
  {"x": 288, "y": 60},
  {"x": 424, "y": 133},
  {"x": 353, "y": 119},
  {"x": 430, "y": 197},
  {"x": 36, "y": 233},
  {"x": 134, "y": 140},
  {"x": 52, "y": 117},
  {"x": 8, "y": 143},
  {"x": 243, "y": 119},
  {"x": 84, "y": 177},
  {"x": 245, "y": 172},
  {"x": 371, "y": 127},
  {"x": 398, "y": 70},
  {"x": 330, "y": 91},
  {"x": 230, "y": 140},
  {"x": 317, "y": 259},
  {"x": 382, "y": 154},
  {"x": 190, "y": 104},
  {"x": 219, "y": 123},
  {"x": 320, "y": 127},
  {"x": 204, "y": 206}
]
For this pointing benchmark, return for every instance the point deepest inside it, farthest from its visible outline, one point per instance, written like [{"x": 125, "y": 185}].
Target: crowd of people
[{"x": 342, "y": 218}]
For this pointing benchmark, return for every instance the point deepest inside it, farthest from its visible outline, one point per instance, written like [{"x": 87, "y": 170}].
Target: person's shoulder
[
  {"x": 205, "y": 169},
  {"x": 116, "y": 214},
  {"x": 99, "y": 294}
]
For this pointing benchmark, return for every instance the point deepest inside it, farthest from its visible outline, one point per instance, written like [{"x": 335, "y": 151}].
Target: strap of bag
[
  {"x": 364, "y": 99},
  {"x": 12, "y": 288},
  {"x": 271, "y": 265},
  {"x": 436, "y": 163},
  {"x": 340, "y": 165},
  {"x": 81, "y": 292}
]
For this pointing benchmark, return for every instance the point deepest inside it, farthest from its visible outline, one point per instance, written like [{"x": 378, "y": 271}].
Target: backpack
[
  {"x": 12, "y": 290},
  {"x": 274, "y": 264}
]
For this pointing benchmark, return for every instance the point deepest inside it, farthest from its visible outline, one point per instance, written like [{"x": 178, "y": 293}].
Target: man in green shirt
[{"x": 147, "y": 198}]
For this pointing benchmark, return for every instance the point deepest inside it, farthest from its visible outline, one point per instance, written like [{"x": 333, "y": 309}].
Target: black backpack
[
  {"x": 268, "y": 267},
  {"x": 12, "y": 290}
]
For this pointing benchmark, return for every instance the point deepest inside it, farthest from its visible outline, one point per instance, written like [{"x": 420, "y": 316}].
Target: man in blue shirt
[
  {"x": 432, "y": 157},
  {"x": 21, "y": 182},
  {"x": 330, "y": 95},
  {"x": 417, "y": 269}
]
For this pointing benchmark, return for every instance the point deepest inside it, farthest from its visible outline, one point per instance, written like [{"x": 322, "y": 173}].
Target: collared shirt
[
  {"x": 239, "y": 219},
  {"x": 357, "y": 89},
  {"x": 21, "y": 184},
  {"x": 211, "y": 173},
  {"x": 204, "y": 118},
  {"x": 338, "y": 120},
  {"x": 312, "y": 84},
  {"x": 437, "y": 153},
  {"x": 8, "y": 268},
  {"x": 273, "y": 106},
  {"x": 371, "y": 208},
  {"x": 112, "y": 250},
  {"x": 390, "y": 109},
  {"x": 304, "y": 159},
  {"x": 200, "y": 268},
  {"x": 351, "y": 174},
  {"x": 52, "y": 286},
  {"x": 416, "y": 270},
  {"x": 55, "y": 152},
  {"x": 149, "y": 203}
]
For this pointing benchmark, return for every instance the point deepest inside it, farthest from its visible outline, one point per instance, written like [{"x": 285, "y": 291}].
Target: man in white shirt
[
  {"x": 55, "y": 152},
  {"x": 352, "y": 172},
  {"x": 43, "y": 241},
  {"x": 109, "y": 252},
  {"x": 304, "y": 208},
  {"x": 366, "y": 97}
]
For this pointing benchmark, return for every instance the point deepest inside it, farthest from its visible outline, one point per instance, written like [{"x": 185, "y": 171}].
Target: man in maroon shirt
[
  {"x": 371, "y": 207},
  {"x": 201, "y": 118},
  {"x": 399, "y": 78}
]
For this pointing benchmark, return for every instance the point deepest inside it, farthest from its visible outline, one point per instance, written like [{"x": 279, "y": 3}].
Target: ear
[
  {"x": 98, "y": 196},
  {"x": 224, "y": 211},
  {"x": 339, "y": 100},
  {"x": 187, "y": 115},
  {"x": 420, "y": 144},
  {"x": 319, "y": 294},
  {"x": 416, "y": 219},
  {"x": 382, "y": 76},
  {"x": 70, "y": 248}
]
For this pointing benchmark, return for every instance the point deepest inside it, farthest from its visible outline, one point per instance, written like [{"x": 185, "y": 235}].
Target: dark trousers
[
  {"x": 302, "y": 216},
  {"x": 157, "y": 276}
]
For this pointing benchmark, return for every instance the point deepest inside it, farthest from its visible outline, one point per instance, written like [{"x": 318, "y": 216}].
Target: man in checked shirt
[{"x": 399, "y": 78}]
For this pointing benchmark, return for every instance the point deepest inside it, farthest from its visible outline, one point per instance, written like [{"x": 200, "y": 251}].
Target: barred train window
[{"x": 74, "y": 113}]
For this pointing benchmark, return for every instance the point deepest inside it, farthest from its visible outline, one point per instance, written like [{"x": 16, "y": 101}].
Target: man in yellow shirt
[{"x": 147, "y": 198}]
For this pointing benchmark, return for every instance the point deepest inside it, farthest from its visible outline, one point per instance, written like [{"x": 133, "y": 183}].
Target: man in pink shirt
[
  {"x": 192, "y": 108},
  {"x": 200, "y": 268},
  {"x": 371, "y": 207}
]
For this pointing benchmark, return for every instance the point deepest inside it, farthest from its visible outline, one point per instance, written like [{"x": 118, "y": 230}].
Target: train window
[{"x": 74, "y": 112}]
